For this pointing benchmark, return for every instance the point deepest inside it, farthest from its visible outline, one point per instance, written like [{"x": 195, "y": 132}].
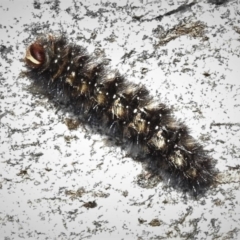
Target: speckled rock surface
[{"x": 57, "y": 183}]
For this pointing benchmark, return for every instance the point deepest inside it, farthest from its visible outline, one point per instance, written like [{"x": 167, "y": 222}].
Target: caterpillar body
[{"x": 123, "y": 109}]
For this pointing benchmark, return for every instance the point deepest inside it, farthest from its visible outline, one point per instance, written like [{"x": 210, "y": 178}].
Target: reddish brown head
[{"x": 35, "y": 55}]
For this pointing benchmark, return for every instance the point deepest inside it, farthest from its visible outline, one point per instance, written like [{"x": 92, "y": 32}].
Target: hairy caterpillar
[{"x": 125, "y": 110}]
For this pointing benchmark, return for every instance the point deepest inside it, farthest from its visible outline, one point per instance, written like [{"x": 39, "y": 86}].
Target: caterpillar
[{"x": 99, "y": 95}]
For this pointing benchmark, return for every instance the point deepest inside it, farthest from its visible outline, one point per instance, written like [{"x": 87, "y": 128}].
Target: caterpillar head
[{"x": 35, "y": 55}]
